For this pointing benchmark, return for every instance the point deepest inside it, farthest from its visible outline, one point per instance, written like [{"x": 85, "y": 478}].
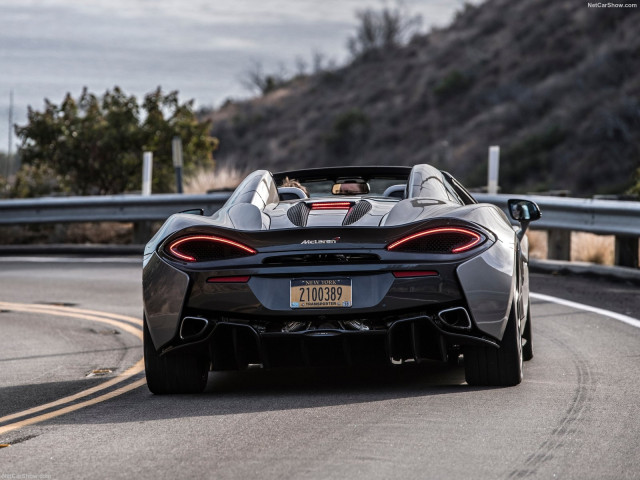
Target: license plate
[{"x": 325, "y": 293}]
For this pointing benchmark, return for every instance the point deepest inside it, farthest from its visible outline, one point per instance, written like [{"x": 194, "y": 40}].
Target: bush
[
  {"x": 455, "y": 83},
  {"x": 350, "y": 130},
  {"x": 94, "y": 145},
  {"x": 529, "y": 160},
  {"x": 635, "y": 190}
]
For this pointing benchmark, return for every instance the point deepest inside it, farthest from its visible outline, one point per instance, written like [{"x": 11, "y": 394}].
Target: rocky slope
[{"x": 555, "y": 84}]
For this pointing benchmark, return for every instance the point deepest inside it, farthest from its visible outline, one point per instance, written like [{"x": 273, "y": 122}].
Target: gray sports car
[{"x": 339, "y": 266}]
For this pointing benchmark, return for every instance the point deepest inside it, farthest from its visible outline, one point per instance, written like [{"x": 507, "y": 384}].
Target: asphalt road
[{"x": 576, "y": 415}]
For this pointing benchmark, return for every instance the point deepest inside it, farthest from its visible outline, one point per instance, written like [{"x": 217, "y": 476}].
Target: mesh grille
[
  {"x": 320, "y": 259},
  {"x": 298, "y": 214},
  {"x": 356, "y": 213},
  {"x": 436, "y": 243}
]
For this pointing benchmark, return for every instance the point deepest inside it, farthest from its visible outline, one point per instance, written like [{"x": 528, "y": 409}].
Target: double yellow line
[{"x": 122, "y": 322}]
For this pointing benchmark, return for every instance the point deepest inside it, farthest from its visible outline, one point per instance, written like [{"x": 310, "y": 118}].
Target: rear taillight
[
  {"x": 205, "y": 248},
  {"x": 438, "y": 240}
]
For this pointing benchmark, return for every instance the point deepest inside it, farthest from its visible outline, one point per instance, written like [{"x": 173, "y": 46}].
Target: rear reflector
[
  {"x": 331, "y": 206},
  {"x": 418, "y": 273},
  {"x": 239, "y": 279}
]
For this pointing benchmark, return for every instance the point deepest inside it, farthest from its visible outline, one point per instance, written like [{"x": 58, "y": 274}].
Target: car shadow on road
[
  {"x": 18, "y": 398},
  {"x": 357, "y": 380},
  {"x": 255, "y": 391}
]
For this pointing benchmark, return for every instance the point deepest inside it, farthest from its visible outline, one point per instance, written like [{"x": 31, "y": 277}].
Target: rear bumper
[
  {"x": 170, "y": 294},
  {"x": 237, "y": 346},
  {"x": 251, "y": 322}
]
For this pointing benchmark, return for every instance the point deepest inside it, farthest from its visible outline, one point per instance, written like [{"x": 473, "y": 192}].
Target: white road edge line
[
  {"x": 136, "y": 261},
  {"x": 634, "y": 322}
]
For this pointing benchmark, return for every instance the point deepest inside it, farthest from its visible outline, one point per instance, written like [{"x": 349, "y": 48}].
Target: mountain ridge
[{"x": 555, "y": 84}]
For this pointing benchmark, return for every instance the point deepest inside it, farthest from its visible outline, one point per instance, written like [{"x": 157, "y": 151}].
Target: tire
[
  {"x": 180, "y": 372},
  {"x": 499, "y": 367},
  {"x": 527, "y": 347}
]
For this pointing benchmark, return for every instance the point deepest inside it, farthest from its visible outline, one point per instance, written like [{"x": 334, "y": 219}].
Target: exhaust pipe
[
  {"x": 457, "y": 318},
  {"x": 192, "y": 327}
]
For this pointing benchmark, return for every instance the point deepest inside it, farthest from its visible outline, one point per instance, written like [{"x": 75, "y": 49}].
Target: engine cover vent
[
  {"x": 357, "y": 212},
  {"x": 298, "y": 214}
]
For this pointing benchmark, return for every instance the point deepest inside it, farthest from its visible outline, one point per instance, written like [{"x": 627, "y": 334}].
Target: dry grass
[
  {"x": 222, "y": 178},
  {"x": 72, "y": 233},
  {"x": 585, "y": 247},
  {"x": 537, "y": 244}
]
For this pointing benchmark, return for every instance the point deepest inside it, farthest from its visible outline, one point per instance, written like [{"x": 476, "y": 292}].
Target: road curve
[{"x": 576, "y": 415}]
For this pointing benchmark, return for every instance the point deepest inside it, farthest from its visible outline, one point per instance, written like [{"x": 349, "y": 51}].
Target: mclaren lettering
[{"x": 314, "y": 242}]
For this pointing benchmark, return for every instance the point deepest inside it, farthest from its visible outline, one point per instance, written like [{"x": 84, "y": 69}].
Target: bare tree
[
  {"x": 301, "y": 66},
  {"x": 256, "y": 80},
  {"x": 318, "y": 61},
  {"x": 382, "y": 29}
]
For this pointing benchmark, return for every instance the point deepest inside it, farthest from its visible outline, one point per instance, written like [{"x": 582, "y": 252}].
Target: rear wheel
[
  {"x": 496, "y": 366},
  {"x": 180, "y": 372},
  {"x": 527, "y": 347}
]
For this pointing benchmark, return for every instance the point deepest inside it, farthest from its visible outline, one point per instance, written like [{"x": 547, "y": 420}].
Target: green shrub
[
  {"x": 635, "y": 190},
  {"x": 527, "y": 162},
  {"x": 455, "y": 83},
  {"x": 350, "y": 129},
  {"x": 94, "y": 145}
]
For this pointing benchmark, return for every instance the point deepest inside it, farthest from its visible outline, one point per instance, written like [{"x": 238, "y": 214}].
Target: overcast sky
[{"x": 199, "y": 47}]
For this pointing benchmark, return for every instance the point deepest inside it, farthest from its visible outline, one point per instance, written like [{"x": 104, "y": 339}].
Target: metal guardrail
[
  {"x": 603, "y": 217},
  {"x": 105, "y": 208},
  {"x": 560, "y": 215}
]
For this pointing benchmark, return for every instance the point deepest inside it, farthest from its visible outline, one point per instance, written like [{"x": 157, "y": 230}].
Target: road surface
[{"x": 73, "y": 403}]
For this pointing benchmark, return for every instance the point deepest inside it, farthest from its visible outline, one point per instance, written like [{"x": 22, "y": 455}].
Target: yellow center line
[
  {"x": 16, "y": 307},
  {"x": 90, "y": 315},
  {"x": 137, "y": 368},
  {"x": 72, "y": 408},
  {"x": 61, "y": 308}
]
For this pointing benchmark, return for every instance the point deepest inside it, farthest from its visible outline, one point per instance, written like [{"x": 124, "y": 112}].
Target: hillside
[{"x": 556, "y": 84}]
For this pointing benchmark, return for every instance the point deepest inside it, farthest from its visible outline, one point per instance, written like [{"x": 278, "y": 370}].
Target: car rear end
[{"x": 325, "y": 296}]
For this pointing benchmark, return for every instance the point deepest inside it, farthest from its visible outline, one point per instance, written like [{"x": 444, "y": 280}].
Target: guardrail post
[
  {"x": 176, "y": 148},
  {"x": 626, "y": 253},
  {"x": 494, "y": 167},
  {"x": 559, "y": 244},
  {"x": 147, "y": 172},
  {"x": 142, "y": 232}
]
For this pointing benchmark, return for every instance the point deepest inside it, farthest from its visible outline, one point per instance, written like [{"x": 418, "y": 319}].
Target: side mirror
[
  {"x": 194, "y": 211},
  {"x": 525, "y": 212}
]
